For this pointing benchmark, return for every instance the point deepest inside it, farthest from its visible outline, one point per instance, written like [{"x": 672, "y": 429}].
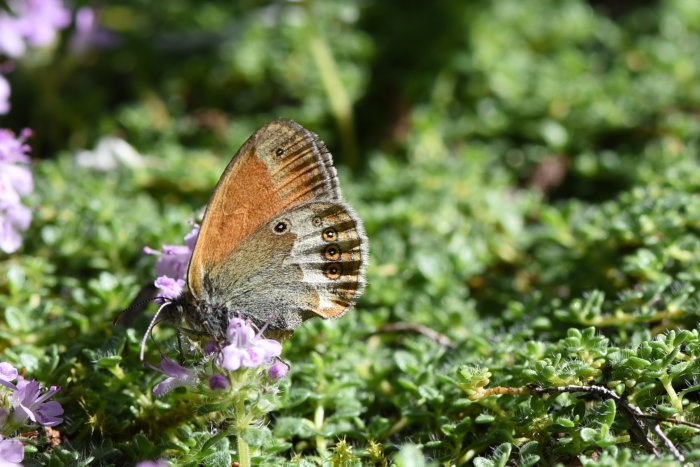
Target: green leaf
[
  {"x": 287, "y": 427},
  {"x": 529, "y": 454},
  {"x": 109, "y": 362},
  {"x": 409, "y": 455},
  {"x": 16, "y": 319},
  {"x": 588, "y": 434}
]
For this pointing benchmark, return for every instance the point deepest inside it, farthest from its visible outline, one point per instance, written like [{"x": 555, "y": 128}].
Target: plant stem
[
  {"x": 676, "y": 402},
  {"x": 241, "y": 422},
  {"x": 319, "y": 415},
  {"x": 338, "y": 97}
]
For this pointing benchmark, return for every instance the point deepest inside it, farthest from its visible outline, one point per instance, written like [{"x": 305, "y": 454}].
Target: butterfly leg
[{"x": 179, "y": 347}]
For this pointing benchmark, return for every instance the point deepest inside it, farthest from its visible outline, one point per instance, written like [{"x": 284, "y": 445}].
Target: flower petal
[
  {"x": 11, "y": 452},
  {"x": 218, "y": 382},
  {"x": 7, "y": 372},
  {"x": 169, "y": 287},
  {"x": 270, "y": 348},
  {"x": 48, "y": 413},
  {"x": 232, "y": 357},
  {"x": 278, "y": 370}
]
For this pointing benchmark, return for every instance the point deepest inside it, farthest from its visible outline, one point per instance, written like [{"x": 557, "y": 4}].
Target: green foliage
[{"x": 528, "y": 178}]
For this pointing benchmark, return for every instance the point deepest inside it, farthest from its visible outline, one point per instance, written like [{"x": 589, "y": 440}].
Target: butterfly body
[{"x": 277, "y": 243}]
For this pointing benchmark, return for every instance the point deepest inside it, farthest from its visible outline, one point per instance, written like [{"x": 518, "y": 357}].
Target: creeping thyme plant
[
  {"x": 232, "y": 386},
  {"x": 528, "y": 175}
]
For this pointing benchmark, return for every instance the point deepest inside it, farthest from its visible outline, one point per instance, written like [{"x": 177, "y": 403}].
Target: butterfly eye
[
  {"x": 332, "y": 252},
  {"x": 279, "y": 152},
  {"x": 330, "y": 234},
  {"x": 333, "y": 271},
  {"x": 281, "y": 227}
]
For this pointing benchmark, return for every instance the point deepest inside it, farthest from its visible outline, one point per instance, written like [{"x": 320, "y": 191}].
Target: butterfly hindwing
[
  {"x": 282, "y": 165},
  {"x": 331, "y": 250},
  {"x": 314, "y": 266}
]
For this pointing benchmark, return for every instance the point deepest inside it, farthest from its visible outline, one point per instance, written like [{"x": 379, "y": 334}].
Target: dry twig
[{"x": 418, "y": 329}]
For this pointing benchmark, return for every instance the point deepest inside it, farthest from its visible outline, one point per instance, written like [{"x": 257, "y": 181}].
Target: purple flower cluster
[
  {"x": 31, "y": 22},
  {"x": 171, "y": 267},
  {"x": 156, "y": 463},
  {"x": 245, "y": 348},
  {"x": 26, "y": 403},
  {"x": 28, "y": 400},
  {"x": 31, "y": 401},
  {"x": 15, "y": 181},
  {"x": 28, "y": 23}
]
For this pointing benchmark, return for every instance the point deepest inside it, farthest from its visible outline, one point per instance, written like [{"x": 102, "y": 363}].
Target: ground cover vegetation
[{"x": 528, "y": 178}]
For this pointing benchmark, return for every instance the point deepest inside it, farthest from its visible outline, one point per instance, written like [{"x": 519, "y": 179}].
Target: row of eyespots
[
  {"x": 332, "y": 253},
  {"x": 328, "y": 235}
]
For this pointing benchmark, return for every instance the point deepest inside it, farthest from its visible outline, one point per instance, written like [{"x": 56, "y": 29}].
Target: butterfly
[{"x": 277, "y": 244}]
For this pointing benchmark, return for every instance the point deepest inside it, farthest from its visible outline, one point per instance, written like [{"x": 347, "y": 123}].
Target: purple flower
[
  {"x": 29, "y": 402},
  {"x": 218, "y": 382},
  {"x": 18, "y": 178},
  {"x": 191, "y": 237},
  {"x": 4, "y": 91},
  {"x": 171, "y": 267},
  {"x": 13, "y": 219},
  {"x": 11, "y": 40},
  {"x": 27, "y": 21},
  {"x": 15, "y": 181},
  {"x": 245, "y": 347},
  {"x": 158, "y": 463},
  {"x": 278, "y": 370},
  {"x": 240, "y": 333},
  {"x": 11, "y": 452},
  {"x": 8, "y": 373},
  {"x": 31, "y": 21},
  {"x": 210, "y": 347},
  {"x": 176, "y": 376},
  {"x": 173, "y": 261},
  {"x": 40, "y": 20},
  {"x": 13, "y": 149},
  {"x": 169, "y": 288}
]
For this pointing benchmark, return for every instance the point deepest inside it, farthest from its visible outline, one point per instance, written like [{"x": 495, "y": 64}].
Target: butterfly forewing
[{"x": 282, "y": 165}]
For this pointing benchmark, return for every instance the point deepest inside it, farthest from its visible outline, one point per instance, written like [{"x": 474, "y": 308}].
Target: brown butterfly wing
[{"x": 280, "y": 166}]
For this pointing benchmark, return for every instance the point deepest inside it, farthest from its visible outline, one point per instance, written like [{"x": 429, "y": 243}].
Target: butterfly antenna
[
  {"x": 144, "y": 297},
  {"x": 150, "y": 329}
]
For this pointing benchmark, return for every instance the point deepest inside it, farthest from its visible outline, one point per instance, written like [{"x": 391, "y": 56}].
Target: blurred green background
[{"x": 525, "y": 171}]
